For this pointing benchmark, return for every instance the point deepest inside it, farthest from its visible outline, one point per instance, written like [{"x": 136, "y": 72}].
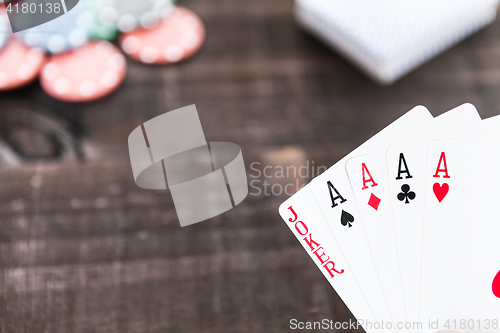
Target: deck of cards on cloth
[{"x": 406, "y": 228}]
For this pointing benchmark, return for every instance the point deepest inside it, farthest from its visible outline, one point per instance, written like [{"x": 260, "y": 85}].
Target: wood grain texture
[{"x": 83, "y": 249}]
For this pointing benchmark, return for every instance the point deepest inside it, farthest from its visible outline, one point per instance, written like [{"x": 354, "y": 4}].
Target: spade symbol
[
  {"x": 346, "y": 219},
  {"x": 406, "y": 194}
]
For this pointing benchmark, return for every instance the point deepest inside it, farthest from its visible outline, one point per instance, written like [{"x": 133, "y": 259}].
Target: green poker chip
[
  {"x": 129, "y": 15},
  {"x": 100, "y": 30},
  {"x": 103, "y": 32}
]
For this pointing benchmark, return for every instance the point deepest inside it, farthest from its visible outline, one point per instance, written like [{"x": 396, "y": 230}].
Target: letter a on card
[
  {"x": 338, "y": 196},
  {"x": 441, "y": 190},
  {"x": 402, "y": 162},
  {"x": 442, "y": 167},
  {"x": 367, "y": 177}
]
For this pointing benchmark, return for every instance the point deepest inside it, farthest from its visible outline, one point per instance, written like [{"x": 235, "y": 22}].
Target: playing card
[
  {"x": 406, "y": 166},
  {"x": 302, "y": 216},
  {"x": 461, "y": 262},
  {"x": 368, "y": 178},
  {"x": 389, "y": 38},
  {"x": 308, "y": 213}
]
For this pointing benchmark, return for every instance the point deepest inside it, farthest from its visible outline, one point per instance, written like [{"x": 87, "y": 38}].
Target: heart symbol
[
  {"x": 496, "y": 285},
  {"x": 39, "y": 12},
  {"x": 440, "y": 191}
]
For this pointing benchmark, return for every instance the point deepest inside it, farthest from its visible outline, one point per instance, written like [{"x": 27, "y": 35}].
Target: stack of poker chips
[{"x": 73, "y": 55}]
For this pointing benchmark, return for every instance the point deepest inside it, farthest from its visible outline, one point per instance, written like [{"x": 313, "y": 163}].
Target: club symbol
[
  {"x": 406, "y": 194},
  {"x": 346, "y": 219}
]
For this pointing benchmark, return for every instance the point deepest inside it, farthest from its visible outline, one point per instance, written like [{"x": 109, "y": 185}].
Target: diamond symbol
[{"x": 374, "y": 201}]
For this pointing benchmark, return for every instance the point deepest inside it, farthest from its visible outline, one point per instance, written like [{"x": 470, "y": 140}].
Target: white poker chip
[
  {"x": 128, "y": 15},
  {"x": 64, "y": 33}
]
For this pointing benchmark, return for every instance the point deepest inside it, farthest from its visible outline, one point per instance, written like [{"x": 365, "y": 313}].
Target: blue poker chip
[
  {"x": 4, "y": 30},
  {"x": 63, "y": 33}
]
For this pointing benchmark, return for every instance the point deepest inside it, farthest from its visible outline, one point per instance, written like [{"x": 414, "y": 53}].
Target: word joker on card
[
  {"x": 314, "y": 246},
  {"x": 441, "y": 190},
  {"x": 374, "y": 201},
  {"x": 345, "y": 218}
]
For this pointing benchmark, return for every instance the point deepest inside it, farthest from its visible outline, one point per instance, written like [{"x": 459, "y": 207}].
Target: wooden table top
[{"x": 83, "y": 249}]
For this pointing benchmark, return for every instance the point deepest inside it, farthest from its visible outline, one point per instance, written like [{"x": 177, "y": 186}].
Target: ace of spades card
[{"x": 334, "y": 196}]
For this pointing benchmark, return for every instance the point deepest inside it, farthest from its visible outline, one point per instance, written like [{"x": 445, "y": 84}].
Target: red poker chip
[
  {"x": 19, "y": 64},
  {"x": 84, "y": 74},
  {"x": 175, "y": 38}
]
